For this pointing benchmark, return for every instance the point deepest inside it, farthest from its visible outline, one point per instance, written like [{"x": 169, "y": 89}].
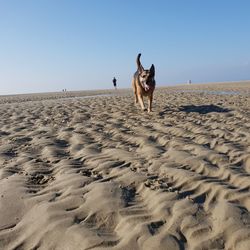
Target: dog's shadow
[{"x": 201, "y": 109}]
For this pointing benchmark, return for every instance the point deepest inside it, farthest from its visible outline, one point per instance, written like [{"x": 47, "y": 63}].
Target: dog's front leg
[
  {"x": 150, "y": 100},
  {"x": 141, "y": 102}
]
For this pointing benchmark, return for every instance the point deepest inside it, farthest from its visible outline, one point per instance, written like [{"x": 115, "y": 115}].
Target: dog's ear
[
  {"x": 152, "y": 70},
  {"x": 139, "y": 66}
]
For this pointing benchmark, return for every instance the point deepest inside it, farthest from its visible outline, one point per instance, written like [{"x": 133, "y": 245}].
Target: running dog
[{"x": 143, "y": 84}]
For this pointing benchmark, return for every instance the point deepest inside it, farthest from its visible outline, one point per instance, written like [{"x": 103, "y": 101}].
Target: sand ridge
[{"x": 98, "y": 173}]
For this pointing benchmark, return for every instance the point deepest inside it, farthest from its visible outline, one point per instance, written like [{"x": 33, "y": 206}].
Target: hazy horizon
[{"x": 47, "y": 46}]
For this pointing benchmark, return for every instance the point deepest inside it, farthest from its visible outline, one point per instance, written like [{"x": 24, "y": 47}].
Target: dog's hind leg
[{"x": 135, "y": 91}]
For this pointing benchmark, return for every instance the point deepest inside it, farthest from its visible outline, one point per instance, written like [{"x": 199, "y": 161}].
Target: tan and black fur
[{"x": 144, "y": 84}]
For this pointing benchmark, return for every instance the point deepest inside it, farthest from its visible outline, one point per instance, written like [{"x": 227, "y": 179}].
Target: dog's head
[{"x": 146, "y": 77}]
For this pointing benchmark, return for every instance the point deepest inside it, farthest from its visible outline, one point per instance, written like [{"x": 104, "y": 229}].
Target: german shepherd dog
[{"x": 143, "y": 84}]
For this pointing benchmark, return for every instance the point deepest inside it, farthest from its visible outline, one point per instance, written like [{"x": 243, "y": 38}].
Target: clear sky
[{"x": 48, "y": 45}]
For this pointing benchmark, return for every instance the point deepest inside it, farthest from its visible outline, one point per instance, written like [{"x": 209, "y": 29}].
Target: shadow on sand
[{"x": 203, "y": 109}]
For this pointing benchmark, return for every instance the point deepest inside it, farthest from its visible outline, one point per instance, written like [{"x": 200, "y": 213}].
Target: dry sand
[{"x": 97, "y": 173}]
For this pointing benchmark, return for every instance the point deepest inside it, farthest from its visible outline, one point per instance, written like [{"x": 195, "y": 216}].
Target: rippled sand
[{"x": 98, "y": 173}]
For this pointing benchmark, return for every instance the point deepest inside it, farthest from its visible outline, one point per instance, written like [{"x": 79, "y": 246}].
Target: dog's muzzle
[{"x": 146, "y": 87}]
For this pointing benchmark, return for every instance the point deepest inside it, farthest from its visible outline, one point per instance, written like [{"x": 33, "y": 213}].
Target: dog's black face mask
[{"x": 146, "y": 77}]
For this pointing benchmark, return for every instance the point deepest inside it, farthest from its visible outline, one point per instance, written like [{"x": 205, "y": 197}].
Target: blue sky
[{"x": 48, "y": 45}]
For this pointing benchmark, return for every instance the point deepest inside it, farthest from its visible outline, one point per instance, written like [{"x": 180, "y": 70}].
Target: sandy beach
[{"x": 90, "y": 170}]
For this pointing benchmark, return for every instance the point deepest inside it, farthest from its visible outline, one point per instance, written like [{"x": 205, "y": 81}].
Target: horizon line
[{"x": 110, "y": 89}]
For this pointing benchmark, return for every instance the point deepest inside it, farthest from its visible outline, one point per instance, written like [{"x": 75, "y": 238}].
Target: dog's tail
[{"x": 139, "y": 66}]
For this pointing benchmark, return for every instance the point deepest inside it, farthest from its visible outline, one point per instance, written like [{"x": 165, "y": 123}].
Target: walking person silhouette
[{"x": 114, "y": 82}]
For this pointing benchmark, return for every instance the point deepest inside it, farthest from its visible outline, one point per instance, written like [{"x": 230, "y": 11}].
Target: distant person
[{"x": 114, "y": 82}]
